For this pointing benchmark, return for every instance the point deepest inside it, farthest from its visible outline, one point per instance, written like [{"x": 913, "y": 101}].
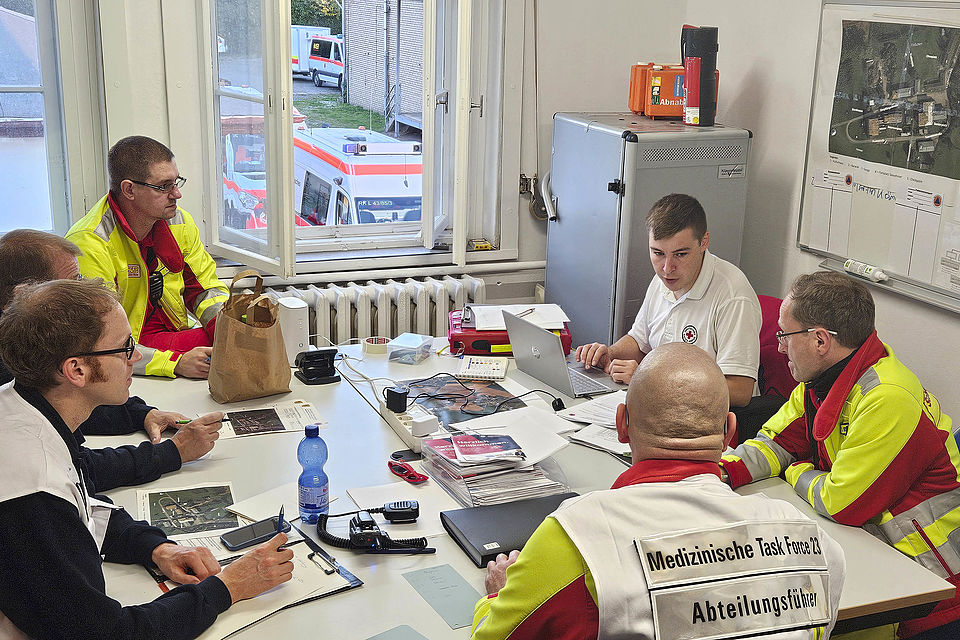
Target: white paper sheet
[
  {"x": 535, "y": 430},
  {"x": 292, "y": 416},
  {"x": 599, "y": 437},
  {"x": 308, "y": 580},
  {"x": 546, "y": 316},
  {"x": 601, "y": 410},
  {"x": 202, "y": 520}
]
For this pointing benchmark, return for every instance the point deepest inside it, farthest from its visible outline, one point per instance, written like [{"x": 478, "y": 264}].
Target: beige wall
[{"x": 583, "y": 61}]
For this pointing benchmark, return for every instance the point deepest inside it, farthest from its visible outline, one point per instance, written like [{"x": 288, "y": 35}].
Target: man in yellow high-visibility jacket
[
  {"x": 860, "y": 438},
  {"x": 139, "y": 239}
]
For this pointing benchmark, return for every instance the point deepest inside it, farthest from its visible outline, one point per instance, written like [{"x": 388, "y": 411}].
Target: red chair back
[{"x": 774, "y": 373}]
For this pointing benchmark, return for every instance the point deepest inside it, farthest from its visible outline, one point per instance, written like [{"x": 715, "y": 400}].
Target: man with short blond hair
[
  {"x": 695, "y": 298},
  {"x": 596, "y": 567},
  {"x": 70, "y": 349},
  {"x": 860, "y": 438}
]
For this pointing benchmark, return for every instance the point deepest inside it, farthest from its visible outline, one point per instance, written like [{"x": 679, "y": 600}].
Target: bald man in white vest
[{"x": 670, "y": 551}]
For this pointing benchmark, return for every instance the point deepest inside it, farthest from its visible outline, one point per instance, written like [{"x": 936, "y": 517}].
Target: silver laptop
[{"x": 539, "y": 353}]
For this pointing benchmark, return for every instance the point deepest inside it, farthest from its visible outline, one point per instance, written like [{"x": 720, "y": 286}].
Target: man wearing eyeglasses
[
  {"x": 860, "y": 438},
  {"x": 139, "y": 239},
  {"x": 27, "y": 256},
  {"x": 68, "y": 345}
]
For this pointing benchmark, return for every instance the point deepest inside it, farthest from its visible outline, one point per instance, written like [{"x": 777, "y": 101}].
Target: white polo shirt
[{"x": 720, "y": 314}]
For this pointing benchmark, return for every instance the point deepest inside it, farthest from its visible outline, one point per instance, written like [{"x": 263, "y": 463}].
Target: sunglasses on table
[{"x": 405, "y": 471}]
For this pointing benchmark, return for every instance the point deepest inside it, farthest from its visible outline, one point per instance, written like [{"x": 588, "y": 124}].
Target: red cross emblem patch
[{"x": 689, "y": 334}]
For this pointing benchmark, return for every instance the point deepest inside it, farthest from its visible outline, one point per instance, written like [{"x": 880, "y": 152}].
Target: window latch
[
  {"x": 442, "y": 100},
  {"x": 475, "y": 105}
]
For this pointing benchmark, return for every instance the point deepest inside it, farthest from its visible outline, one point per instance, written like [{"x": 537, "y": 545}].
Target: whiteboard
[{"x": 882, "y": 175}]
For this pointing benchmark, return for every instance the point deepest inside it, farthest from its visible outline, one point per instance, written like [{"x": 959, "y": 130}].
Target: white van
[
  {"x": 355, "y": 176},
  {"x": 316, "y": 53}
]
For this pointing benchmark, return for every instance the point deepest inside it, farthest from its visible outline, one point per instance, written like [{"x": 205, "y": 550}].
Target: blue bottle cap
[{"x": 311, "y": 430}]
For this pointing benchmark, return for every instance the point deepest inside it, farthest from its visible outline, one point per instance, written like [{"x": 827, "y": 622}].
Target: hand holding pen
[{"x": 196, "y": 437}]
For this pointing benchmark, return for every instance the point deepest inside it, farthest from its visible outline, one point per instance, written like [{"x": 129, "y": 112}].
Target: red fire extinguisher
[{"x": 698, "y": 50}]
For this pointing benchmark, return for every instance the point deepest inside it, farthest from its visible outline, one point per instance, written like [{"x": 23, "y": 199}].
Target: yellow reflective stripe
[
  {"x": 161, "y": 364},
  {"x": 207, "y": 309},
  {"x": 769, "y": 455},
  {"x": 548, "y": 564}
]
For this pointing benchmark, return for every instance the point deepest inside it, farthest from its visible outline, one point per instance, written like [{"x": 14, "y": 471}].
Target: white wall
[
  {"x": 583, "y": 53},
  {"x": 766, "y": 62}
]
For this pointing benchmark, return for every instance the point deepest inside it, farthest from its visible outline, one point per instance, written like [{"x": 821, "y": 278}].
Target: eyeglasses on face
[
  {"x": 405, "y": 471},
  {"x": 781, "y": 335},
  {"x": 129, "y": 349},
  {"x": 178, "y": 182}
]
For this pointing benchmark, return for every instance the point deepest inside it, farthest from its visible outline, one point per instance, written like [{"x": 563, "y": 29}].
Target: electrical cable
[{"x": 557, "y": 403}]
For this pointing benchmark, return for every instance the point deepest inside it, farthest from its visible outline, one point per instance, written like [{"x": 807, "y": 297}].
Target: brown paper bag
[{"x": 249, "y": 358}]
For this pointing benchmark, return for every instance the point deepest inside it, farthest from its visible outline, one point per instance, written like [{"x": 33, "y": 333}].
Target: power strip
[{"x": 411, "y": 425}]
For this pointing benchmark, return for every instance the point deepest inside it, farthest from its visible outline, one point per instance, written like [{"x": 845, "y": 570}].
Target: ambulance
[
  {"x": 244, "y": 169},
  {"x": 316, "y": 53},
  {"x": 355, "y": 176}
]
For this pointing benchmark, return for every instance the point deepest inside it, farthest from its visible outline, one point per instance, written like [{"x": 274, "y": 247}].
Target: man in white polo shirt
[{"x": 696, "y": 298}]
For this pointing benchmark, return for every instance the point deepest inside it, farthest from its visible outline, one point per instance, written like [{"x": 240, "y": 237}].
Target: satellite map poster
[{"x": 882, "y": 177}]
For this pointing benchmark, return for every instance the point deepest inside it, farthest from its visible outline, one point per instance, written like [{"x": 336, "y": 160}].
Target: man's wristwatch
[{"x": 724, "y": 476}]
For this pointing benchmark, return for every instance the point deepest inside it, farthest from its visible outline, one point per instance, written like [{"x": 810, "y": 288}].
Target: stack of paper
[
  {"x": 601, "y": 410},
  {"x": 600, "y": 437},
  {"x": 485, "y": 482},
  {"x": 490, "y": 317}
]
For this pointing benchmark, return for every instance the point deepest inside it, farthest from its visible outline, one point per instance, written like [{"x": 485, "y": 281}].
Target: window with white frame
[
  {"x": 32, "y": 157},
  {"x": 313, "y": 186}
]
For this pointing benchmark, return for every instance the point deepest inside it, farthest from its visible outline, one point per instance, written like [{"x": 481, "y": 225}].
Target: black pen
[{"x": 280, "y": 520}]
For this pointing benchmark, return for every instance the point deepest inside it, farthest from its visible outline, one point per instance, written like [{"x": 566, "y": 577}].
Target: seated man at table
[
  {"x": 608, "y": 564},
  {"x": 860, "y": 438},
  {"x": 696, "y": 298},
  {"x": 35, "y": 256},
  {"x": 66, "y": 343},
  {"x": 137, "y": 239}
]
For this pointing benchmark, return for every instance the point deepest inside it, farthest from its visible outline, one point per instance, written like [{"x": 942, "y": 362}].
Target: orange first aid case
[{"x": 656, "y": 90}]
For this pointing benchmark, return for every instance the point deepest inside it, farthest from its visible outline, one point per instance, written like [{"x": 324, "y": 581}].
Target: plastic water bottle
[{"x": 313, "y": 484}]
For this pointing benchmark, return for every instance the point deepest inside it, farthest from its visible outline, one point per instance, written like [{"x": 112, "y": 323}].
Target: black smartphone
[{"x": 251, "y": 534}]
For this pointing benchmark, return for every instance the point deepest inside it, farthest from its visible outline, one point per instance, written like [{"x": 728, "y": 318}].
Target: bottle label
[{"x": 314, "y": 497}]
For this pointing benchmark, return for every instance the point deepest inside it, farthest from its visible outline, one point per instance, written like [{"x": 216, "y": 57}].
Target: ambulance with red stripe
[
  {"x": 355, "y": 176},
  {"x": 244, "y": 171},
  {"x": 316, "y": 53}
]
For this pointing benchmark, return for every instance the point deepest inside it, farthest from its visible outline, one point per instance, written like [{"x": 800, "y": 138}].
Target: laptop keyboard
[{"x": 585, "y": 384}]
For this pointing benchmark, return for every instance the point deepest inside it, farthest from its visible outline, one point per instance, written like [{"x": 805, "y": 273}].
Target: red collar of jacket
[
  {"x": 828, "y": 413},
  {"x": 159, "y": 237},
  {"x": 664, "y": 471}
]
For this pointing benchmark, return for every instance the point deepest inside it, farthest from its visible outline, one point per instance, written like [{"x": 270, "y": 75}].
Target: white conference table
[
  {"x": 881, "y": 583},
  {"x": 359, "y": 446}
]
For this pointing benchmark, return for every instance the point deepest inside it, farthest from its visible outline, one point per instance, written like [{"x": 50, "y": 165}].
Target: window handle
[{"x": 442, "y": 100}]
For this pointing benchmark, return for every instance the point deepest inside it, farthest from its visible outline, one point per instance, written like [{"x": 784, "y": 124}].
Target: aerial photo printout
[{"x": 898, "y": 96}]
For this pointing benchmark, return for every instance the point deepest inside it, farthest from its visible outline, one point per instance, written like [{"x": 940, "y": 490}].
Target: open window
[{"x": 405, "y": 182}]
